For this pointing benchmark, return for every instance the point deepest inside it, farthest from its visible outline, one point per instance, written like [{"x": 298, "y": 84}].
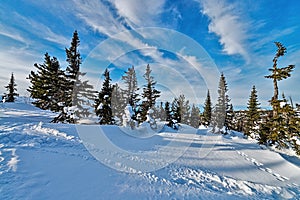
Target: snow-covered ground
[{"x": 40, "y": 160}]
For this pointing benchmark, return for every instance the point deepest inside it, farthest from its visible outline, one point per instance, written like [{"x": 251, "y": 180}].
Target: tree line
[{"x": 73, "y": 98}]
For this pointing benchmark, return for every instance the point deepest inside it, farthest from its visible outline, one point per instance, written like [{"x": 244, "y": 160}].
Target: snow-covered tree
[
  {"x": 117, "y": 104},
  {"x": 185, "y": 109},
  {"x": 220, "y": 110},
  {"x": 206, "y": 119},
  {"x": 150, "y": 93},
  {"x": 251, "y": 122},
  {"x": 11, "y": 90},
  {"x": 131, "y": 87},
  {"x": 78, "y": 94},
  {"x": 103, "y": 101},
  {"x": 127, "y": 117},
  {"x": 195, "y": 116},
  {"x": 168, "y": 112},
  {"x": 284, "y": 124}
]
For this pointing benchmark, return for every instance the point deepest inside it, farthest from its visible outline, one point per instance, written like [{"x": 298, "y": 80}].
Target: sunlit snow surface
[{"x": 40, "y": 160}]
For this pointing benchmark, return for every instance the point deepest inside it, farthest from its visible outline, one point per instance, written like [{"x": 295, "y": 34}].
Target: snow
[{"x": 40, "y": 160}]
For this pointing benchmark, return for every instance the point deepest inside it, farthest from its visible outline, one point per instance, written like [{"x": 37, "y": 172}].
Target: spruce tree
[
  {"x": 251, "y": 122},
  {"x": 11, "y": 90},
  {"x": 168, "y": 111},
  {"x": 207, "y": 110},
  {"x": 131, "y": 87},
  {"x": 117, "y": 104},
  {"x": 78, "y": 92},
  {"x": 195, "y": 116},
  {"x": 176, "y": 113},
  {"x": 184, "y": 109},
  {"x": 47, "y": 84},
  {"x": 282, "y": 128},
  {"x": 222, "y": 106},
  {"x": 103, "y": 102},
  {"x": 150, "y": 93},
  {"x": 278, "y": 74}
]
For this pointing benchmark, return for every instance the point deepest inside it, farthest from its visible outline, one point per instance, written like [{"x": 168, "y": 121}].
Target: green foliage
[
  {"x": 150, "y": 94},
  {"x": 207, "y": 113},
  {"x": 47, "y": 84},
  {"x": 252, "y": 115},
  {"x": 11, "y": 89},
  {"x": 103, "y": 102}
]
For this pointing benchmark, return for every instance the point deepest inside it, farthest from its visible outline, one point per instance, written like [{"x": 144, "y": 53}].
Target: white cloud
[
  {"x": 228, "y": 25},
  {"x": 139, "y": 13}
]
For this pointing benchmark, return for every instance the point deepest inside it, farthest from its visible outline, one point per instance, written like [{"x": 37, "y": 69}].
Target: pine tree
[
  {"x": 130, "y": 92},
  {"x": 253, "y": 115},
  {"x": 184, "y": 109},
  {"x": 176, "y": 114},
  {"x": 207, "y": 110},
  {"x": 277, "y": 129},
  {"x": 150, "y": 94},
  {"x": 78, "y": 94},
  {"x": 117, "y": 104},
  {"x": 229, "y": 119},
  {"x": 195, "y": 116},
  {"x": 47, "y": 84},
  {"x": 11, "y": 90},
  {"x": 278, "y": 74},
  {"x": 103, "y": 102},
  {"x": 222, "y": 106},
  {"x": 168, "y": 111}
]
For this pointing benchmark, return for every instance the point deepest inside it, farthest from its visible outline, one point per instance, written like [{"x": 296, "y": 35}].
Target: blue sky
[{"x": 238, "y": 37}]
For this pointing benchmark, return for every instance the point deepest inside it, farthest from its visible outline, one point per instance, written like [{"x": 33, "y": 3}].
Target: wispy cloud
[
  {"x": 228, "y": 25},
  {"x": 134, "y": 15}
]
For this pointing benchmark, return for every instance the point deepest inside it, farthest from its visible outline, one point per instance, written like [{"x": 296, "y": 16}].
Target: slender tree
[
  {"x": 78, "y": 94},
  {"x": 103, "y": 102},
  {"x": 117, "y": 104},
  {"x": 195, "y": 116},
  {"x": 11, "y": 90},
  {"x": 150, "y": 93},
  {"x": 251, "y": 123},
  {"x": 131, "y": 87},
  {"x": 220, "y": 111},
  {"x": 168, "y": 111},
  {"x": 207, "y": 110},
  {"x": 278, "y": 74}
]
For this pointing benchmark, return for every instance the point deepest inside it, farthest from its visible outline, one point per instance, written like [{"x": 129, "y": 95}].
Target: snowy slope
[{"x": 40, "y": 160}]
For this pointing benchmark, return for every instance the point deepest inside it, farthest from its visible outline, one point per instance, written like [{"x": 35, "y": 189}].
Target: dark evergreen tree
[
  {"x": 11, "y": 90},
  {"x": 251, "y": 123},
  {"x": 229, "y": 120},
  {"x": 278, "y": 74},
  {"x": 168, "y": 111},
  {"x": 176, "y": 114},
  {"x": 282, "y": 128},
  {"x": 195, "y": 116},
  {"x": 150, "y": 94},
  {"x": 222, "y": 106},
  {"x": 103, "y": 102},
  {"x": 79, "y": 94},
  {"x": 207, "y": 110},
  {"x": 47, "y": 84}
]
